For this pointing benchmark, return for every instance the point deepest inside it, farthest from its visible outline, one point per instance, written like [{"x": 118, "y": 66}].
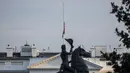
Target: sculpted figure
[
  {"x": 65, "y": 62},
  {"x": 78, "y": 65}
]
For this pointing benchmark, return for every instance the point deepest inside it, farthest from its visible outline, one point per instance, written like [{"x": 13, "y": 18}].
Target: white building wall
[
  {"x": 36, "y": 60},
  {"x": 26, "y": 53},
  {"x": 97, "y": 61},
  {"x": 9, "y": 52},
  {"x": 100, "y": 48},
  {"x": 54, "y": 71},
  {"x": 34, "y": 52},
  {"x": 121, "y": 50},
  {"x": 13, "y": 64},
  {"x": 93, "y": 53},
  {"x": 43, "y": 71}
]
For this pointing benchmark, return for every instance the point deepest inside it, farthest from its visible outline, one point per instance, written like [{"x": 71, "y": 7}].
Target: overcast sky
[{"x": 39, "y": 22}]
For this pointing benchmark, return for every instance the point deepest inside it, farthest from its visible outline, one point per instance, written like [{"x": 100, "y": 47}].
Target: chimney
[
  {"x": 9, "y": 50},
  {"x": 93, "y": 51},
  {"x": 34, "y": 51}
]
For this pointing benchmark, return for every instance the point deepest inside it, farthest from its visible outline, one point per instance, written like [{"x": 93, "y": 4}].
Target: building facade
[{"x": 29, "y": 60}]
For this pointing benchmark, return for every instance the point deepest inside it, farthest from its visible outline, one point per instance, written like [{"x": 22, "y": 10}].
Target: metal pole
[{"x": 63, "y": 21}]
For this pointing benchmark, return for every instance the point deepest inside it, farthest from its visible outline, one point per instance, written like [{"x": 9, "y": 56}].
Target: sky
[{"x": 40, "y": 22}]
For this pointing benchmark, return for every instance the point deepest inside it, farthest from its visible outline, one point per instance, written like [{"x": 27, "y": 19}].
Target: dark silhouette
[
  {"x": 77, "y": 63},
  {"x": 122, "y": 13},
  {"x": 65, "y": 63},
  {"x": 70, "y": 41}
]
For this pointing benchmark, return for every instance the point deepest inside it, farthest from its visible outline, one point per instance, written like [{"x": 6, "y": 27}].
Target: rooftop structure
[{"x": 26, "y": 61}]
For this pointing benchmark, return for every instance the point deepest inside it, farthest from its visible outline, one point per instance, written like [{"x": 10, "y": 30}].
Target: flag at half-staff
[{"x": 63, "y": 30}]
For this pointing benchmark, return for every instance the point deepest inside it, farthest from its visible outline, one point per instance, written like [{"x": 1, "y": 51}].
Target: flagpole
[
  {"x": 63, "y": 11},
  {"x": 63, "y": 21}
]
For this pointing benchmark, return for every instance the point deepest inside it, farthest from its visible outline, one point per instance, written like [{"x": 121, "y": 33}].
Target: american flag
[{"x": 63, "y": 30}]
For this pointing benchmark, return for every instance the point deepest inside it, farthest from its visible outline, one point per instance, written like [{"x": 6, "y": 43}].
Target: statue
[
  {"x": 65, "y": 63},
  {"x": 77, "y": 63}
]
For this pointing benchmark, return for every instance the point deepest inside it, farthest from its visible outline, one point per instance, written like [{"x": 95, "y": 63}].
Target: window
[
  {"x": 17, "y": 63},
  {"x": 2, "y": 63},
  {"x": 7, "y": 63}
]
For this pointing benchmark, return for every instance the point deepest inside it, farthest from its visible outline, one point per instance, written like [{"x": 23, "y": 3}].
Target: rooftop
[{"x": 17, "y": 55}]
